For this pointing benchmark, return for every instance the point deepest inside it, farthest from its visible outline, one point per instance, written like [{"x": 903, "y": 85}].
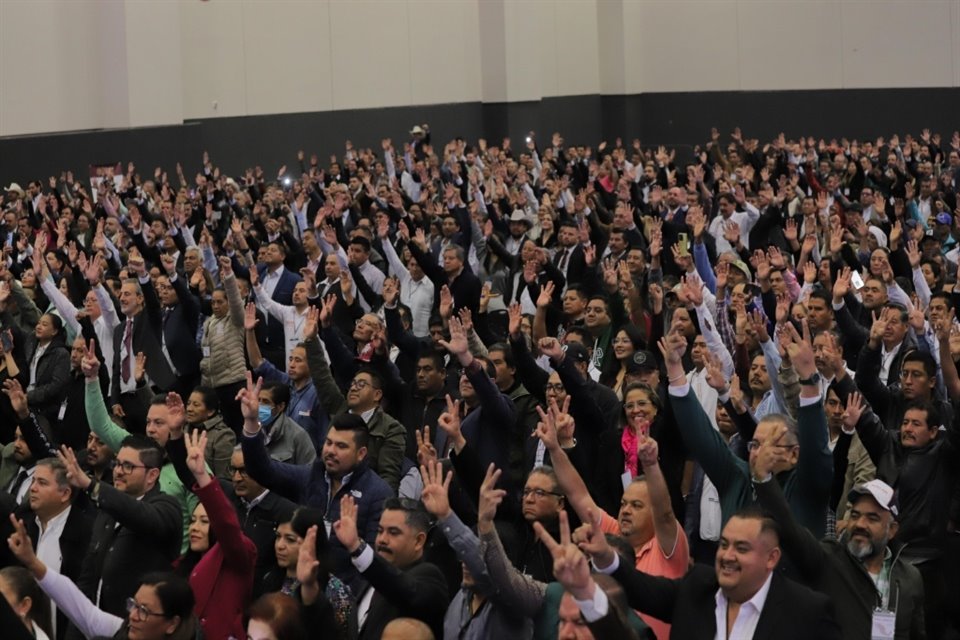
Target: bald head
[{"x": 407, "y": 629}]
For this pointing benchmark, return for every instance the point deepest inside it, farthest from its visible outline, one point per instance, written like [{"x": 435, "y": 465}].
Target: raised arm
[
  {"x": 665, "y": 525},
  {"x": 571, "y": 484},
  {"x": 239, "y": 550},
  {"x": 97, "y": 415}
]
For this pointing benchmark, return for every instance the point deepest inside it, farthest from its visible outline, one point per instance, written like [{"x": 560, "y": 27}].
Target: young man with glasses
[{"x": 138, "y": 528}]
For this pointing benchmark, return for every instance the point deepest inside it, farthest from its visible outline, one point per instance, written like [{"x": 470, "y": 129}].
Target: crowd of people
[{"x": 471, "y": 390}]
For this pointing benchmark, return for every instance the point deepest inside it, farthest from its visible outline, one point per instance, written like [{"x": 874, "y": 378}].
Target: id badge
[
  {"x": 883, "y": 625},
  {"x": 626, "y": 478}
]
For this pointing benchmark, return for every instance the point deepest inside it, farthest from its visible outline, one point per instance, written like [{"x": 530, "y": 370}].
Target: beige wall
[{"x": 130, "y": 63}]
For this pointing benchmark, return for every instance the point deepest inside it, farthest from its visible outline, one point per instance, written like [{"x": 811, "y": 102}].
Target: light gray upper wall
[{"x": 129, "y": 63}]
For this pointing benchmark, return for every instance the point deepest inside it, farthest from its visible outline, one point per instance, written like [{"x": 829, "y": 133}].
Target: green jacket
[
  {"x": 806, "y": 486},
  {"x": 113, "y": 434},
  {"x": 388, "y": 438}
]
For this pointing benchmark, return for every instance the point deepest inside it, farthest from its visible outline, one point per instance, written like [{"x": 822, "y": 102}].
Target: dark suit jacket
[
  {"x": 74, "y": 541},
  {"x": 146, "y": 340},
  {"x": 148, "y": 539},
  {"x": 790, "y": 612},
  {"x": 576, "y": 264},
  {"x": 53, "y": 372},
  {"x": 274, "y": 348},
  {"x": 180, "y": 328},
  {"x": 419, "y": 591}
]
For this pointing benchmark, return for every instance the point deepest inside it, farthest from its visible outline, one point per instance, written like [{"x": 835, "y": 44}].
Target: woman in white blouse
[{"x": 161, "y": 608}]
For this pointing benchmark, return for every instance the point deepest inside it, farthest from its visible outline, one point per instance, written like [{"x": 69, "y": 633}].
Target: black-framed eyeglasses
[
  {"x": 234, "y": 470},
  {"x": 128, "y": 467},
  {"x": 359, "y": 384},
  {"x": 539, "y": 494},
  {"x": 556, "y": 387},
  {"x": 140, "y": 611}
]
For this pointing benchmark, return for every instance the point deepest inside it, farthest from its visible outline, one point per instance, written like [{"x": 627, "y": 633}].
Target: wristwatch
[
  {"x": 813, "y": 379},
  {"x": 359, "y": 550}
]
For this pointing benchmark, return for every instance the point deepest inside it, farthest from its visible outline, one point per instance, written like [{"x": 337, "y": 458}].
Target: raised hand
[
  {"x": 250, "y": 320},
  {"x": 446, "y": 302},
  {"x": 89, "y": 365},
  {"x": 648, "y": 453},
  {"x": 715, "y": 375},
  {"x": 391, "y": 292},
  {"x": 693, "y": 290},
  {"x": 570, "y": 567},
  {"x": 672, "y": 346},
  {"x": 249, "y": 399},
  {"x": 436, "y": 487},
  {"x": 426, "y": 452},
  {"x": 449, "y": 421},
  {"x": 196, "y": 443},
  {"x": 21, "y": 546},
  {"x": 75, "y": 475},
  {"x": 308, "y": 567},
  {"x": 551, "y": 348},
  {"x": 17, "y": 396},
  {"x": 457, "y": 345},
  {"x": 326, "y": 312},
  {"x": 177, "y": 415},
  {"x": 490, "y": 498},
  {"x": 765, "y": 457},
  {"x": 346, "y": 527},
  {"x": 546, "y": 295},
  {"x": 853, "y": 411},
  {"x": 515, "y": 319}
]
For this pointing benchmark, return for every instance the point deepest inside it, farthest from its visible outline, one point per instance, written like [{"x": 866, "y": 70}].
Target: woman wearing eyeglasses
[{"x": 161, "y": 608}]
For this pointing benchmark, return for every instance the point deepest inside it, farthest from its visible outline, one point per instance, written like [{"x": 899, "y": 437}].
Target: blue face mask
[{"x": 265, "y": 415}]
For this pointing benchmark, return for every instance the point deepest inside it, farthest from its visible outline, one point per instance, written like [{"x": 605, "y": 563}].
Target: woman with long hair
[
  {"x": 161, "y": 608},
  {"x": 626, "y": 341},
  {"x": 221, "y": 560},
  {"x": 48, "y": 367},
  {"x": 27, "y": 600}
]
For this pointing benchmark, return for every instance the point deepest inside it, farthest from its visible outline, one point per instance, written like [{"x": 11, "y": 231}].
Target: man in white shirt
[
  {"x": 728, "y": 204},
  {"x": 416, "y": 290}
]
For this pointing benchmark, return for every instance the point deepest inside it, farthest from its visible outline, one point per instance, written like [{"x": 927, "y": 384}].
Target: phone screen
[{"x": 856, "y": 280}]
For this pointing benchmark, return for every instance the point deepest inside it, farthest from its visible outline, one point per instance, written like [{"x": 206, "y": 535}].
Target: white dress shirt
[{"x": 747, "y": 618}]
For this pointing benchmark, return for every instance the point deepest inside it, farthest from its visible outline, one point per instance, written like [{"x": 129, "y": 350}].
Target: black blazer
[
  {"x": 790, "y": 612},
  {"x": 145, "y": 340},
  {"x": 74, "y": 542},
  {"x": 180, "y": 328},
  {"x": 576, "y": 264},
  {"x": 53, "y": 372},
  {"x": 419, "y": 591},
  {"x": 148, "y": 539}
]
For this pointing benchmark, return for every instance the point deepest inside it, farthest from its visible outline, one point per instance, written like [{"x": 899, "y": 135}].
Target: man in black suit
[
  {"x": 137, "y": 530},
  {"x": 402, "y": 584},
  {"x": 260, "y": 511},
  {"x": 134, "y": 335},
  {"x": 174, "y": 314},
  {"x": 570, "y": 259},
  {"x": 64, "y": 517},
  {"x": 743, "y": 595}
]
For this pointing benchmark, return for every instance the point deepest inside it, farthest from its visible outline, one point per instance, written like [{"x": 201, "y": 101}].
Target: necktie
[
  {"x": 128, "y": 351},
  {"x": 563, "y": 260},
  {"x": 18, "y": 483}
]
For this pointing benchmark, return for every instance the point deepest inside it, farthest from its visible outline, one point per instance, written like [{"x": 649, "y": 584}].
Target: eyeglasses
[
  {"x": 128, "y": 467},
  {"x": 359, "y": 384},
  {"x": 753, "y": 445},
  {"x": 908, "y": 373},
  {"x": 539, "y": 494},
  {"x": 234, "y": 470},
  {"x": 556, "y": 387},
  {"x": 139, "y": 611}
]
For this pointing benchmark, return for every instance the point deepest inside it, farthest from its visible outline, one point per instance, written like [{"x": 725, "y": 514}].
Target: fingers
[
  {"x": 490, "y": 480},
  {"x": 552, "y": 545}
]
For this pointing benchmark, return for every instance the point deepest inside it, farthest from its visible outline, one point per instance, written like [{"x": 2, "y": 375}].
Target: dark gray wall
[{"x": 680, "y": 119}]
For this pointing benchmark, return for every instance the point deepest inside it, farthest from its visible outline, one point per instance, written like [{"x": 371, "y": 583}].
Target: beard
[{"x": 861, "y": 549}]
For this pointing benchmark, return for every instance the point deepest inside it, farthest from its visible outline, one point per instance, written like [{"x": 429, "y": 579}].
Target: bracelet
[{"x": 675, "y": 378}]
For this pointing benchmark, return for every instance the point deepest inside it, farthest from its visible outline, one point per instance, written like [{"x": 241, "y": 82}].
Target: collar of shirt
[
  {"x": 748, "y": 615},
  {"x": 250, "y": 504},
  {"x": 366, "y": 415},
  {"x": 55, "y": 525},
  {"x": 275, "y": 275}
]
